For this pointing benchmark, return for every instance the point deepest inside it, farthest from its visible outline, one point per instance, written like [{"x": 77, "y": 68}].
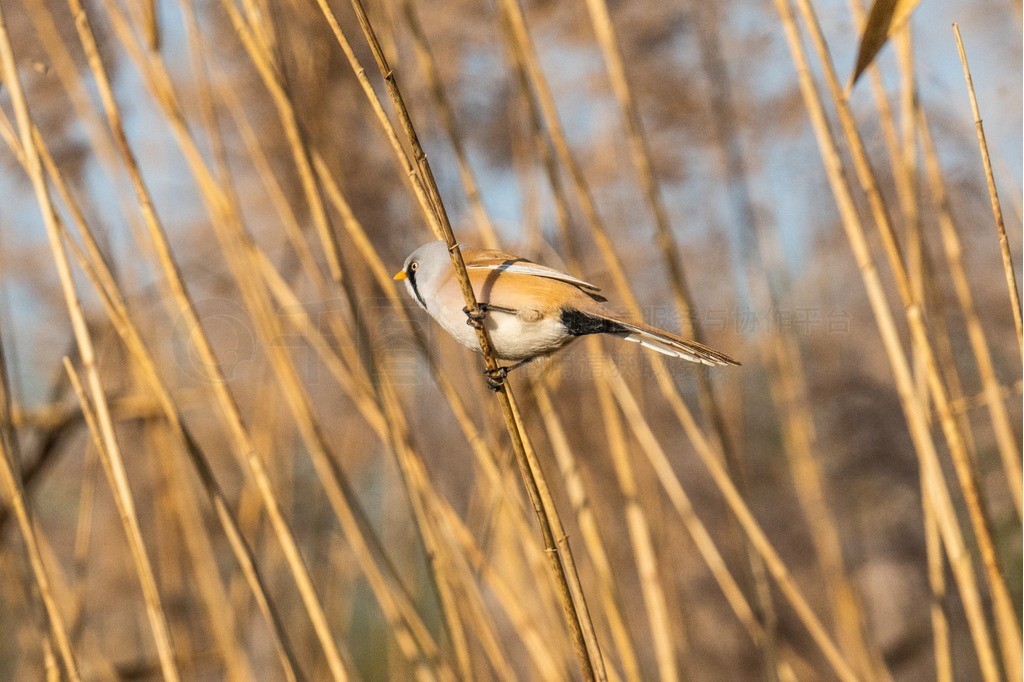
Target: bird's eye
[{"x": 414, "y": 266}]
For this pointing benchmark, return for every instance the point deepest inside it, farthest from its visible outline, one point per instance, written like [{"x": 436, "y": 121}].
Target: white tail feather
[
  {"x": 668, "y": 349},
  {"x": 669, "y": 344}
]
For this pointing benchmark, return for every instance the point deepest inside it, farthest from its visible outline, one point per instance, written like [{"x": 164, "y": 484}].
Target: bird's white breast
[{"x": 514, "y": 337}]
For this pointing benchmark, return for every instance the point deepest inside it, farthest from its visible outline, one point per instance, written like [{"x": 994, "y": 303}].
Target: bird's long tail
[{"x": 656, "y": 339}]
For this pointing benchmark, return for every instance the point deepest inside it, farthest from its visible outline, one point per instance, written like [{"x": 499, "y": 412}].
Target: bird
[{"x": 529, "y": 310}]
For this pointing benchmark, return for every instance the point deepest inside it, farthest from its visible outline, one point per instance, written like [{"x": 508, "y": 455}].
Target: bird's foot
[
  {"x": 496, "y": 377},
  {"x": 475, "y": 318}
]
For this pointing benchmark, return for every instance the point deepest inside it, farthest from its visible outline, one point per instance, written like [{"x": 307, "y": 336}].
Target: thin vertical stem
[
  {"x": 993, "y": 195},
  {"x": 126, "y": 509},
  {"x": 952, "y": 247},
  {"x": 15, "y": 490},
  {"x": 583, "y": 504},
  {"x": 444, "y": 108},
  {"x": 639, "y": 531}
]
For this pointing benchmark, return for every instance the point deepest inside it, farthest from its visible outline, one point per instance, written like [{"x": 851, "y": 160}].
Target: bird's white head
[{"x": 424, "y": 271}]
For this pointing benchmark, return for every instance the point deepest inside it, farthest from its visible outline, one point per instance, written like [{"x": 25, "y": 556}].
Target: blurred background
[{"x": 271, "y": 394}]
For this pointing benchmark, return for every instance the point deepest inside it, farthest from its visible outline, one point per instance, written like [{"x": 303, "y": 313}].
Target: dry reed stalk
[
  {"x": 993, "y": 195},
  {"x": 537, "y": 647},
  {"x": 640, "y": 155},
  {"x": 347, "y": 347},
  {"x": 479, "y": 622},
  {"x": 275, "y": 193},
  {"x": 574, "y": 606},
  {"x": 482, "y": 628},
  {"x": 51, "y": 666},
  {"x": 151, "y": 24},
  {"x": 484, "y": 458},
  {"x": 432, "y": 501},
  {"x": 84, "y": 533},
  {"x": 540, "y": 142},
  {"x": 118, "y": 477},
  {"x": 15, "y": 491},
  {"x": 245, "y": 258},
  {"x": 129, "y": 519},
  {"x": 905, "y": 167},
  {"x": 1005, "y": 618},
  {"x": 397, "y": 437},
  {"x": 298, "y": 402},
  {"x": 640, "y": 536},
  {"x": 408, "y": 168},
  {"x": 797, "y": 425},
  {"x": 937, "y": 584},
  {"x": 550, "y": 163},
  {"x": 953, "y": 251},
  {"x": 258, "y": 13},
  {"x": 746, "y": 519},
  {"x": 788, "y": 386},
  {"x": 866, "y": 177},
  {"x": 156, "y": 80},
  {"x": 375, "y": 415},
  {"x": 428, "y": 63},
  {"x": 915, "y": 415},
  {"x": 63, "y": 65},
  {"x": 168, "y": 554},
  {"x": 454, "y": 525},
  {"x": 95, "y": 665},
  {"x": 546, "y": 503},
  {"x": 437, "y": 554},
  {"x": 698, "y": 533},
  {"x": 273, "y": 80},
  {"x": 583, "y": 505},
  {"x": 189, "y": 522},
  {"x": 696, "y": 529},
  {"x": 171, "y": 558}
]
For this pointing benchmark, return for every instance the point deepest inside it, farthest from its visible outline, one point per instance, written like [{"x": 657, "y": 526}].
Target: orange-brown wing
[
  {"x": 488, "y": 259},
  {"x": 528, "y": 295}
]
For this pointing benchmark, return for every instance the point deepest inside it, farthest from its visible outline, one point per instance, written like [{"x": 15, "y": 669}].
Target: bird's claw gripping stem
[
  {"x": 496, "y": 377},
  {"x": 475, "y": 318}
]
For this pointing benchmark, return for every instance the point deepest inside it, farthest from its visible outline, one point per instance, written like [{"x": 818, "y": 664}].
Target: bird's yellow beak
[{"x": 399, "y": 276}]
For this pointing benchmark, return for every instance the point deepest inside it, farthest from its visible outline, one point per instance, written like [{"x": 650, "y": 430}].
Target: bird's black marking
[
  {"x": 411, "y": 274},
  {"x": 580, "y": 324}
]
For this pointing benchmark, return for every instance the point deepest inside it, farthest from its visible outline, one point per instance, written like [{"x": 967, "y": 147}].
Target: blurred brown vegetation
[{"x": 763, "y": 251}]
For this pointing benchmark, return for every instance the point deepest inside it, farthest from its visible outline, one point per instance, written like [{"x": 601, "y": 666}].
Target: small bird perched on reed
[{"x": 529, "y": 310}]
